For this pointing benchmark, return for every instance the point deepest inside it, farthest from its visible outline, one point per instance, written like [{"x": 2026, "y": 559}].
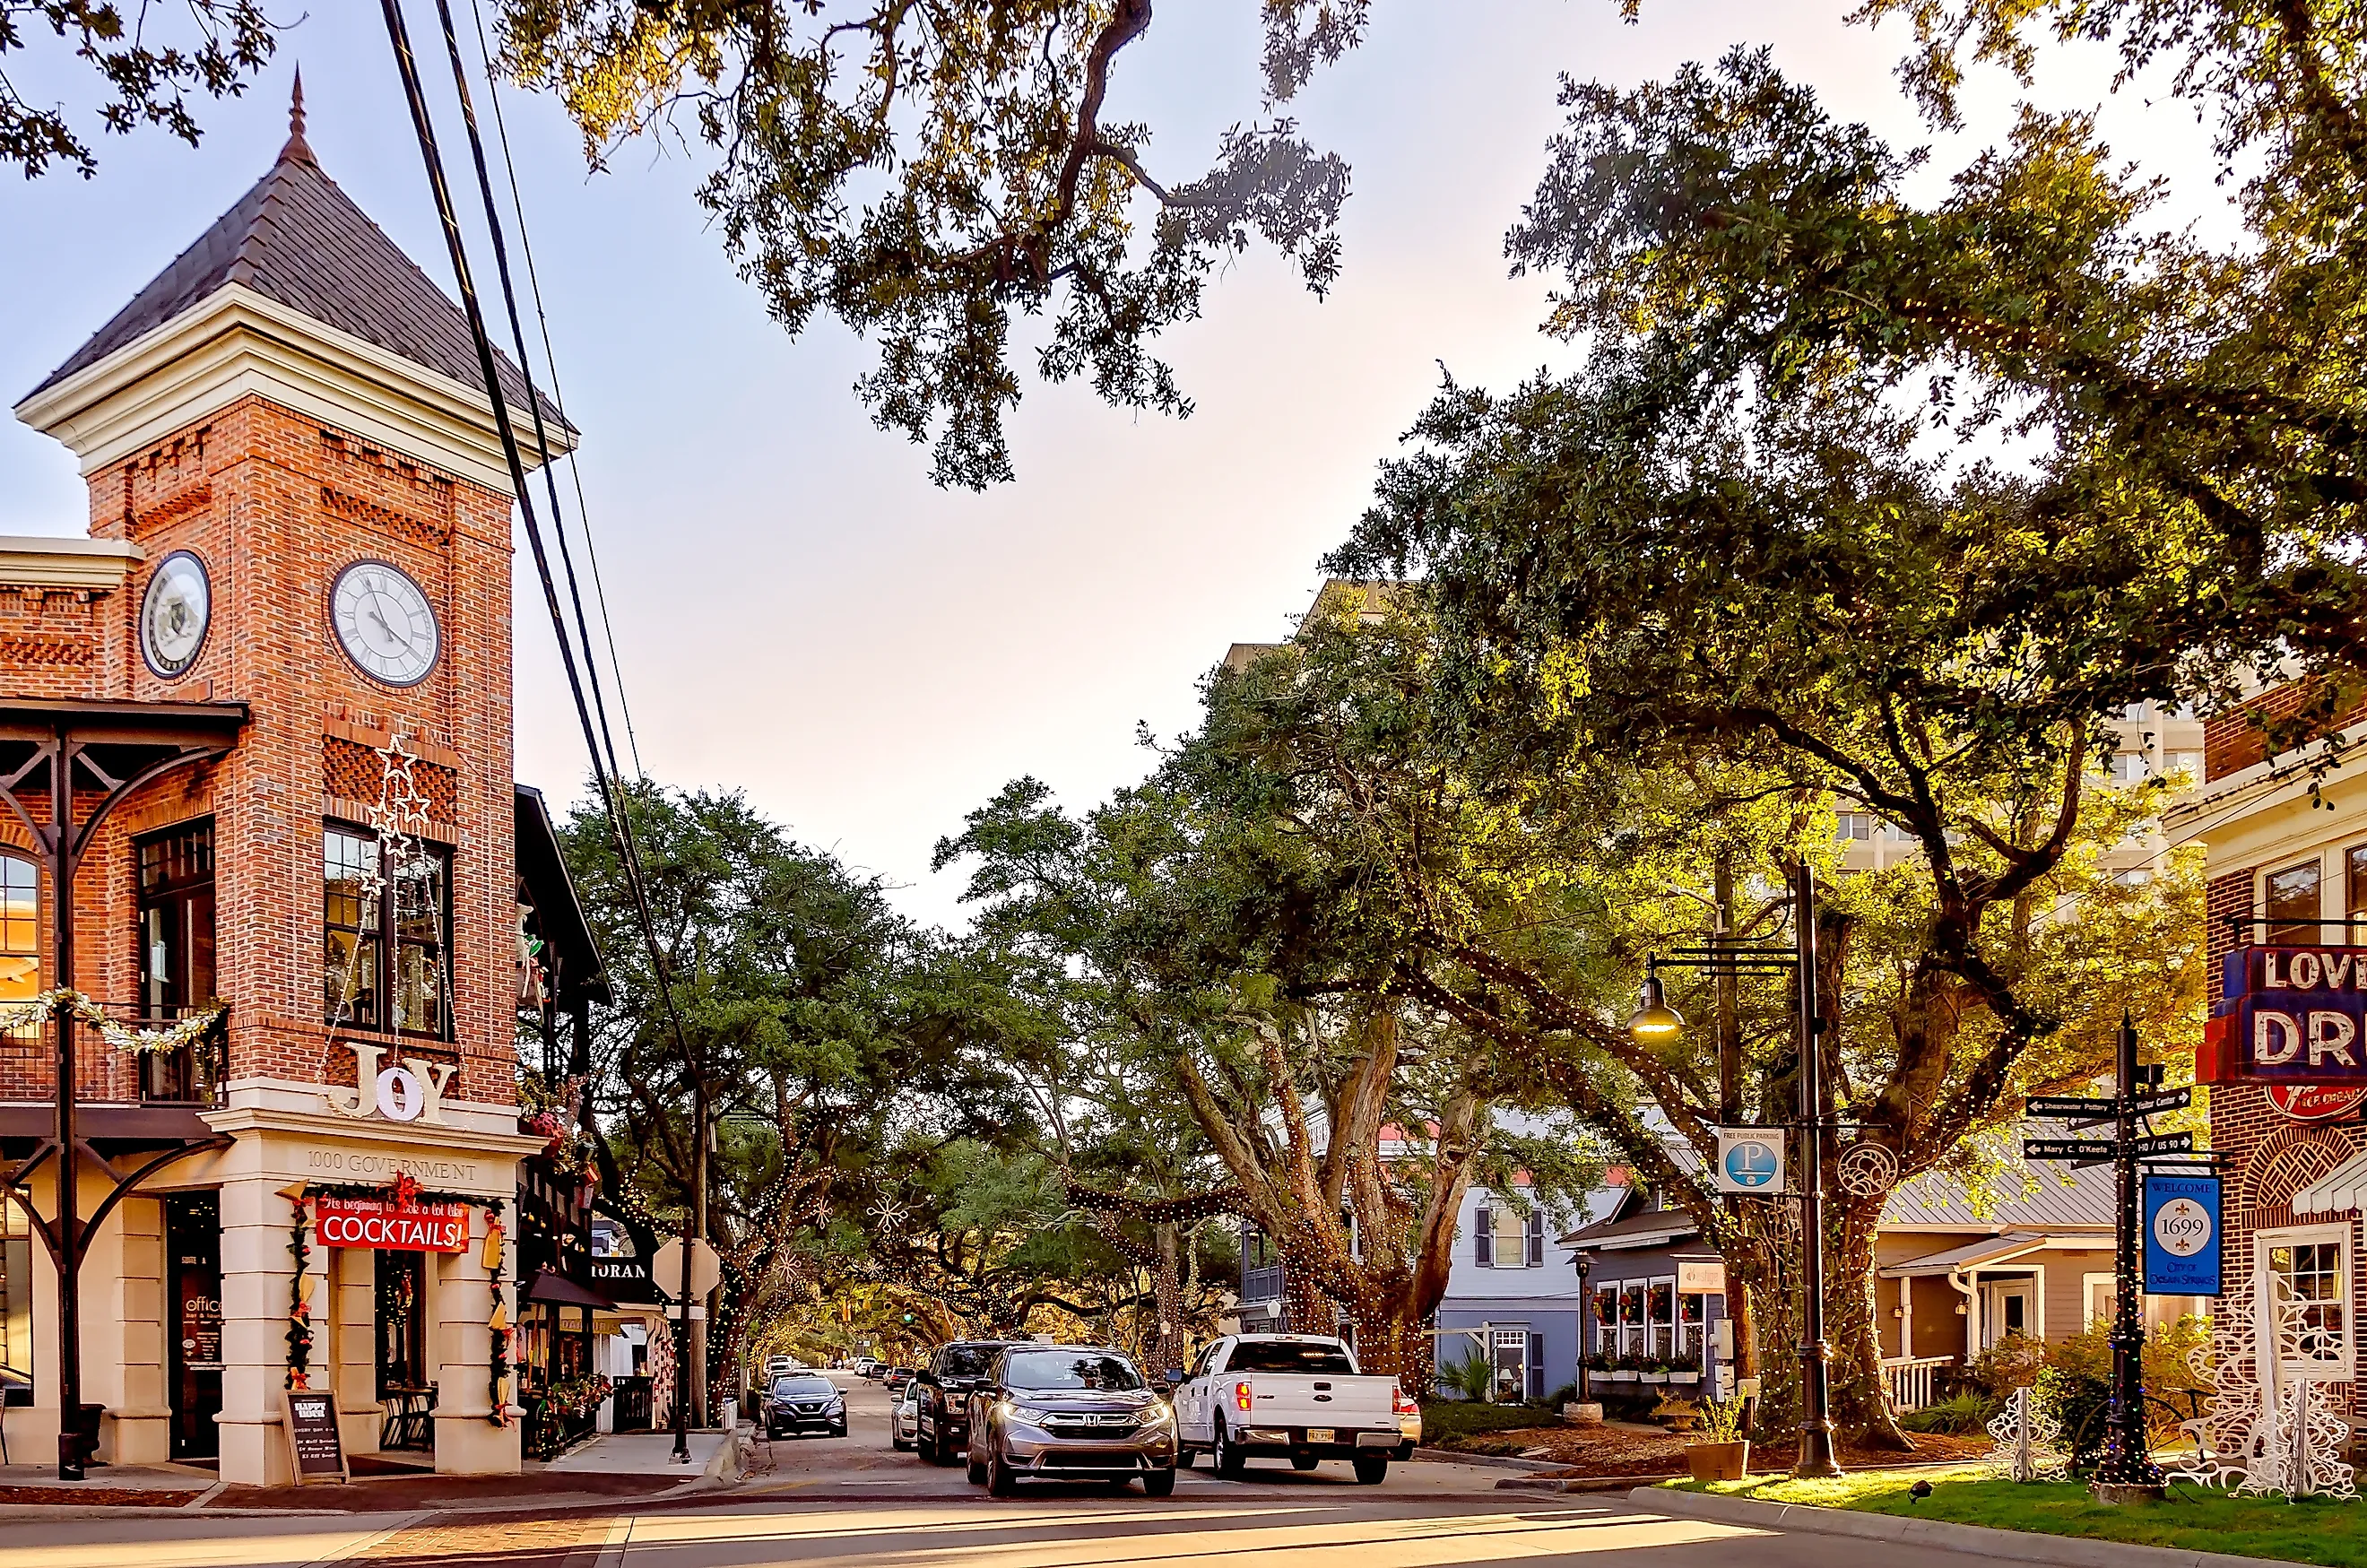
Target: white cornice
[
  {"x": 235, "y": 342},
  {"x": 2267, "y": 810},
  {"x": 98, "y": 566}
]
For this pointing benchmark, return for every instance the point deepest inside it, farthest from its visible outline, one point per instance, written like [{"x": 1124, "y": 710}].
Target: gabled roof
[
  {"x": 2021, "y": 1199},
  {"x": 299, "y": 240},
  {"x": 579, "y": 972}
]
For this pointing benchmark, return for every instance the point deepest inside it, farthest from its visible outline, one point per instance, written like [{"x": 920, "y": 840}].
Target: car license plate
[{"x": 1320, "y": 1434}]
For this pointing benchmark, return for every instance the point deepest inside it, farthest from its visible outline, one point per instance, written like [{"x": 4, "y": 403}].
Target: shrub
[
  {"x": 1965, "y": 1414},
  {"x": 1472, "y": 1377},
  {"x": 1560, "y": 1396}
]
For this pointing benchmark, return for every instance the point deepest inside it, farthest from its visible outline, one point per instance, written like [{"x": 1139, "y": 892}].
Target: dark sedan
[
  {"x": 1070, "y": 1412},
  {"x": 804, "y": 1402},
  {"x": 953, "y": 1375}
]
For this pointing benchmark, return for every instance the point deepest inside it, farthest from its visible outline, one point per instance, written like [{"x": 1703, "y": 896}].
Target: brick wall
[{"x": 276, "y": 505}]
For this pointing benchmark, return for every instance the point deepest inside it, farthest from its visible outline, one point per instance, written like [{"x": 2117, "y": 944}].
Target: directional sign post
[{"x": 2127, "y": 1460}]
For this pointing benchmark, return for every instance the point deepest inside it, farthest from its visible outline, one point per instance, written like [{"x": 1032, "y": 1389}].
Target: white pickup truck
[{"x": 1294, "y": 1396}]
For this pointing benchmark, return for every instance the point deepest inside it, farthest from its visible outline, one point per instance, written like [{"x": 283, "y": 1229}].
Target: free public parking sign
[{"x": 1750, "y": 1160}]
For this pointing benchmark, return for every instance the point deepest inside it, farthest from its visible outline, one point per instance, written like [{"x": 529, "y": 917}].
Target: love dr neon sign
[{"x": 2294, "y": 1015}]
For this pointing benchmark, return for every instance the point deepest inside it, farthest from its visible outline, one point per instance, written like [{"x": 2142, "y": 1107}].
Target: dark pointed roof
[{"x": 296, "y": 238}]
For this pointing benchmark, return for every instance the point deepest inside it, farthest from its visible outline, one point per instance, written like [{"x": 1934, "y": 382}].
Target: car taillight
[
  {"x": 1403, "y": 1405},
  {"x": 1240, "y": 1396}
]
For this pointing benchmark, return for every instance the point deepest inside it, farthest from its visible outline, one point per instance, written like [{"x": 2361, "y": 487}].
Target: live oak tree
[
  {"x": 1229, "y": 974},
  {"x": 149, "y": 62},
  {"x": 1648, "y": 568},
  {"x": 927, "y": 170},
  {"x": 818, "y": 1020}
]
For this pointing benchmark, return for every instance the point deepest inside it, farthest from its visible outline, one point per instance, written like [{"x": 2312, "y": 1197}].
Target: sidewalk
[{"x": 636, "y": 1453}]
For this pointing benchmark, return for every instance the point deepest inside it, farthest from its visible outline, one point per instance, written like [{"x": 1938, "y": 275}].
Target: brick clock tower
[{"x": 300, "y": 534}]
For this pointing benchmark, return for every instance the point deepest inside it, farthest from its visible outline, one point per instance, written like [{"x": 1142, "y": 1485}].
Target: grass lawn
[{"x": 2318, "y": 1531}]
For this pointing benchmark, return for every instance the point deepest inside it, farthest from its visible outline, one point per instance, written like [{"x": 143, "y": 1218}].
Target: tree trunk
[
  {"x": 1861, "y": 1395},
  {"x": 1392, "y": 1342}
]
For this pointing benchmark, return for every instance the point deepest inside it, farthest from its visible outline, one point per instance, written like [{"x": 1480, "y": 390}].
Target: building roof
[
  {"x": 1988, "y": 1249},
  {"x": 297, "y": 239},
  {"x": 580, "y": 971},
  {"x": 1649, "y": 1227},
  {"x": 2019, "y": 1198}
]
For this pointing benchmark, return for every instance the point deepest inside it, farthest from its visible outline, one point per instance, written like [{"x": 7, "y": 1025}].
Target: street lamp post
[
  {"x": 1655, "y": 1022},
  {"x": 1587, "y": 1326},
  {"x": 1816, "y": 1355}
]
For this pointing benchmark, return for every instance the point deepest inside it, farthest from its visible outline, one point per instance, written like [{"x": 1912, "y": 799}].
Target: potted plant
[
  {"x": 1719, "y": 1450},
  {"x": 1685, "y": 1369}
]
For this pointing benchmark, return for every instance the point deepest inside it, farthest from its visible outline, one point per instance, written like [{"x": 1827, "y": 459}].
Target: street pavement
[{"x": 822, "y": 1503}]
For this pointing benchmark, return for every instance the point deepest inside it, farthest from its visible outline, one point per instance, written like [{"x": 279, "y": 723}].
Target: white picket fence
[{"x": 1910, "y": 1379}]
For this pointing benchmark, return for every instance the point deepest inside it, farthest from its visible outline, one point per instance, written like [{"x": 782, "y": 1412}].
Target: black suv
[
  {"x": 801, "y": 1401},
  {"x": 953, "y": 1375}
]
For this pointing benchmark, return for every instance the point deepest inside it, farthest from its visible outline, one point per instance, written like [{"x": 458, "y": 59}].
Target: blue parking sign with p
[
  {"x": 1750, "y": 1160},
  {"x": 2182, "y": 1235}
]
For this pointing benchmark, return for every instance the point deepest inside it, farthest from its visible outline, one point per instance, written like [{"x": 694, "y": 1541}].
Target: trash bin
[{"x": 84, "y": 1437}]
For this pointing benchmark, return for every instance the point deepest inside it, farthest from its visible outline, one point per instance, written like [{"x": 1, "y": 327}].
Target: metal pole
[
  {"x": 69, "y": 1248},
  {"x": 1816, "y": 1355},
  {"x": 1729, "y": 1030},
  {"x": 682, "y": 1296},
  {"x": 2127, "y": 1459}
]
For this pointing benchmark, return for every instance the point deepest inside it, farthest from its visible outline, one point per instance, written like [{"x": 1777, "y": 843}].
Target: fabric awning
[
  {"x": 558, "y": 1290},
  {"x": 2338, "y": 1191}
]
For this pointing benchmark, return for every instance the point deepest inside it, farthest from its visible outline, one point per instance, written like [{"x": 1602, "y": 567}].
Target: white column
[{"x": 458, "y": 1303}]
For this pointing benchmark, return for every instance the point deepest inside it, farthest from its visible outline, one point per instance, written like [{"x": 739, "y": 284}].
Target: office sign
[
  {"x": 1750, "y": 1160},
  {"x": 2182, "y": 1235},
  {"x": 1698, "y": 1277},
  {"x": 2292, "y": 1015},
  {"x": 378, "y": 1224}
]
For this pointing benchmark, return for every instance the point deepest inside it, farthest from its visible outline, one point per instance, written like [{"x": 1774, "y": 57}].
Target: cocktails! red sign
[{"x": 375, "y": 1223}]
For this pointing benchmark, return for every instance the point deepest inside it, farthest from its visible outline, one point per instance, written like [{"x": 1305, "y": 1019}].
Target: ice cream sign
[{"x": 2291, "y": 1015}]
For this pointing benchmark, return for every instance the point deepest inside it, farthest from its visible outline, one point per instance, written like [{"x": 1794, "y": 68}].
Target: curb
[
  {"x": 1488, "y": 1461},
  {"x": 1979, "y": 1540},
  {"x": 1567, "y": 1484}
]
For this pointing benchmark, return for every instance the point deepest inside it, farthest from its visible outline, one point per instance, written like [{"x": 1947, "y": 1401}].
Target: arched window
[{"x": 20, "y": 929}]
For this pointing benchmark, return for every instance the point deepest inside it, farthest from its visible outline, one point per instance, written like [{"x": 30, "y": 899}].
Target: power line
[{"x": 574, "y": 462}]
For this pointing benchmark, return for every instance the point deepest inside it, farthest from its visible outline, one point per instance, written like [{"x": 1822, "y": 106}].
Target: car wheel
[
  {"x": 977, "y": 1471},
  {"x": 999, "y": 1482},
  {"x": 1225, "y": 1458},
  {"x": 839, "y": 1430},
  {"x": 1159, "y": 1483},
  {"x": 1372, "y": 1469},
  {"x": 900, "y": 1445},
  {"x": 1183, "y": 1458}
]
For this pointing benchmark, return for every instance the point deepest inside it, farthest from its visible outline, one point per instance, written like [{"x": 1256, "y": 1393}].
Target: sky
[{"x": 798, "y": 612}]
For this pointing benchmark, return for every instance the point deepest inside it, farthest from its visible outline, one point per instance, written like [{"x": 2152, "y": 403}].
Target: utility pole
[{"x": 1816, "y": 1458}]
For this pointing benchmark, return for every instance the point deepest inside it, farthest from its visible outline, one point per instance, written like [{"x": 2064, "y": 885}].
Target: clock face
[
  {"x": 385, "y": 622},
  {"x": 175, "y": 614}
]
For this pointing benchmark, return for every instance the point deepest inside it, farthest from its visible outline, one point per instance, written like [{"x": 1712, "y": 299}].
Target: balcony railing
[
  {"x": 192, "y": 1074},
  {"x": 1911, "y": 1381}
]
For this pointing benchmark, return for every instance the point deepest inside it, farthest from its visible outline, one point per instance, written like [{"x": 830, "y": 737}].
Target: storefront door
[
  {"x": 401, "y": 1323},
  {"x": 193, "y": 1294}
]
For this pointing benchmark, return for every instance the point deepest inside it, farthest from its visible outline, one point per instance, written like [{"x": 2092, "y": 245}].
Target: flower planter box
[
  {"x": 1684, "y": 1377},
  {"x": 1718, "y": 1462},
  {"x": 1617, "y": 1376},
  {"x": 1651, "y": 1377}
]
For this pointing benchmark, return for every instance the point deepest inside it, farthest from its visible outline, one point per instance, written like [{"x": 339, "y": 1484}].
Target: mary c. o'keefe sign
[{"x": 2290, "y": 1015}]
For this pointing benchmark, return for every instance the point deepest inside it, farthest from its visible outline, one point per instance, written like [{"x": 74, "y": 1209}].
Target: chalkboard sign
[{"x": 313, "y": 1444}]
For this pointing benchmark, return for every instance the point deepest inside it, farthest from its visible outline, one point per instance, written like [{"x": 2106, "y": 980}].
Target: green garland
[
  {"x": 499, "y": 1365},
  {"x": 300, "y": 1312},
  {"x": 120, "y": 1036}
]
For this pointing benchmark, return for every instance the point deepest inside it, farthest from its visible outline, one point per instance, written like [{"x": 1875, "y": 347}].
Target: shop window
[
  {"x": 15, "y": 1298},
  {"x": 1606, "y": 1319},
  {"x": 1692, "y": 1318},
  {"x": 1516, "y": 1240},
  {"x": 2314, "y": 1265},
  {"x": 176, "y": 920},
  {"x": 1631, "y": 1318},
  {"x": 401, "y": 1323},
  {"x": 386, "y": 951},
  {"x": 2289, "y": 899}
]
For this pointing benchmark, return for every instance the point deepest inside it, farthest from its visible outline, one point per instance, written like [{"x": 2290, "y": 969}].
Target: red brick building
[
  {"x": 2287, "y": 870},
  {"x": 299, "y": 551}
]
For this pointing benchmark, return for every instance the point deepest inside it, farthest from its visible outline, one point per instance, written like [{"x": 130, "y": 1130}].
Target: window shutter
[
  {"x": 1536, "y": 1238},
  {"x": 1483, "y": 1238},
  {"x": 1537, "y": 1366}
]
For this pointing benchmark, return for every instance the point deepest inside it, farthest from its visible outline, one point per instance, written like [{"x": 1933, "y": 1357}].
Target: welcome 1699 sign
[{"x": 2293, "y": 1015}]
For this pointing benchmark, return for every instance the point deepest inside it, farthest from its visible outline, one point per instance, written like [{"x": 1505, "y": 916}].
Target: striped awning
[{"x": 2338, "y": 1191}]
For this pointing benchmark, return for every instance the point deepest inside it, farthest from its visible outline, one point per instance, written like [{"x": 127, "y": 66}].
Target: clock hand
[{"x": 390, "y": 632}]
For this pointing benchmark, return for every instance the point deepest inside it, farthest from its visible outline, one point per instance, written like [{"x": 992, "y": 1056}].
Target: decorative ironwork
[
  {"x": 2274, "y": 1428},
  {"x": 2029, "y": 1440},
  {"x": 1866, "y": 1170}
]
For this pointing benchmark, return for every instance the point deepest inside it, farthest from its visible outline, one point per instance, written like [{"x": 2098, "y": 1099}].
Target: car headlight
[
  {"x": 1158, "y": 1415},
  {"x": 1030, "y": 1414}
]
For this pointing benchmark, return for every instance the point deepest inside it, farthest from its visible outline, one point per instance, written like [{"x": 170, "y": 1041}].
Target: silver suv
[{"x": 1070, "y": 1412}]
